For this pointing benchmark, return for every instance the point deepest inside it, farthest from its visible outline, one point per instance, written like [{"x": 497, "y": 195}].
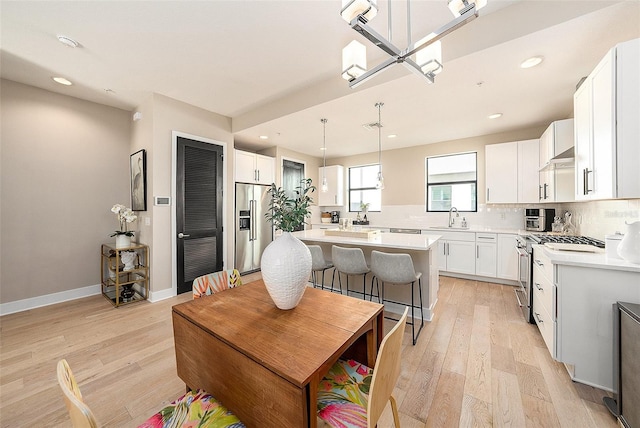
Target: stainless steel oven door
[
  {"x": 523, "y": 292},
  {"x": 535, "y": 224}
]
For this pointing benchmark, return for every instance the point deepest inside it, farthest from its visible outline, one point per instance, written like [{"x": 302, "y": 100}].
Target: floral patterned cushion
[
  {"x": 212, "y": 283},
  {"x": 343, "y": 395},
  {"x": 194, "y": 409}
]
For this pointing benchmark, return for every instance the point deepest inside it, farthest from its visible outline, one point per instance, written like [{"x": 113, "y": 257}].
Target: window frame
[
  {"x": 426, "y": 176},
  {"x": 349, "y": 189}
]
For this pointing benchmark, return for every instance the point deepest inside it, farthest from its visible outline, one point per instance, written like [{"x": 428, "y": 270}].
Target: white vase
[
  {"x": 286, "y": 267},
  {"x": 123, "y": 241},
  {"x": 629, "y": 247}
]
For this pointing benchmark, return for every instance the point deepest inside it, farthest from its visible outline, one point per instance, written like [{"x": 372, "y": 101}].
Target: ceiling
[{"x": 273, "y": 66}]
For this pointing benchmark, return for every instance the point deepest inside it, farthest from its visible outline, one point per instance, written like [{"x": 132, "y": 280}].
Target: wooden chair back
[
  {"x": 80, "y": 414},
  {"x": 385, "y": 374}
]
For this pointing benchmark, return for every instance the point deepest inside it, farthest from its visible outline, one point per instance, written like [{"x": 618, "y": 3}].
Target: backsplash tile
[{"x": 599, "y": 218}]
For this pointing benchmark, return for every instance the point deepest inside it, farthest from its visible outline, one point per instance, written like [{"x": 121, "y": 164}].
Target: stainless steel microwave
[{"x": 538, "y": 219}]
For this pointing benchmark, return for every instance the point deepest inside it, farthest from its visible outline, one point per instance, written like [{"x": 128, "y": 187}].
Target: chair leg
[
  {"x": 333, "y": 277},
  {"x": 413, "y": 317},
  {"x": 394, "y": 410},
  {"x": 313, "y": 278},
  {"x": 322, "y": 285},
  {"x": 364, "y": 286}
]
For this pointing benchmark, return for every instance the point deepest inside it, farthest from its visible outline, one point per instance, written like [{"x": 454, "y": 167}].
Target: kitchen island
[{"x": 420, "y": 247}]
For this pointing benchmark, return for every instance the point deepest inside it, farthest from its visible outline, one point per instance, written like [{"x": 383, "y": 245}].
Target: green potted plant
[{"x": 286, "y": 262}]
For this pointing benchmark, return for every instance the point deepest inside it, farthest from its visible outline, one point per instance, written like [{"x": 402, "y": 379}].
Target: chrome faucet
[{"x": 452, "y": 219}]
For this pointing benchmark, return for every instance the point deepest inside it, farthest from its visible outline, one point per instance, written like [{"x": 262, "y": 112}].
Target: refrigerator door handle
[
  {"x": 254, "y": 225},
  {"x": 251, "y": 222}
]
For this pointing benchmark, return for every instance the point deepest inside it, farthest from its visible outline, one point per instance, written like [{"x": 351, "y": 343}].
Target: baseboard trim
[
  {"x": 156, "y": 296},
  {"x": 48, "y": 299}
]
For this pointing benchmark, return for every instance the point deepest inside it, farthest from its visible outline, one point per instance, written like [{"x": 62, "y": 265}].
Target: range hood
[{"x": 565, "y": 159}]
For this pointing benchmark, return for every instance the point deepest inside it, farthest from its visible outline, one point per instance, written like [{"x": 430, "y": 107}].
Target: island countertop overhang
[{"x": 381, "y": 240}]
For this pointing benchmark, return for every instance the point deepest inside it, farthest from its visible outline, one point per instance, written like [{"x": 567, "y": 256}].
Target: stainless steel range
[{"x": 524, "y": 292}]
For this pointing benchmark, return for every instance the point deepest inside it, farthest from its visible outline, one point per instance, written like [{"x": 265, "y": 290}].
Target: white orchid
[{"x": 125, "y": 215}]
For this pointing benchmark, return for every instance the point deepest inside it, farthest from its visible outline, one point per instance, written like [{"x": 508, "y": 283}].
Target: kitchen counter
[
  {"x": 435, "y": 229},
  {"x": 591, "y": 260},
  {"x": 420, "y": 247}
]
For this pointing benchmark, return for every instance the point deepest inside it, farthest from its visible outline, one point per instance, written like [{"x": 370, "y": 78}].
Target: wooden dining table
[{"x": 264, "y": 363}]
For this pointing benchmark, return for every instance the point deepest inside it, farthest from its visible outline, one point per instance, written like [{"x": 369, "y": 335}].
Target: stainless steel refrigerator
[{"x": 253, "y": 231}]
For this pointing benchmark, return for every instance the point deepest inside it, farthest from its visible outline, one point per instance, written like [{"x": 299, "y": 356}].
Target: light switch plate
[{"x": 162, "y": 200}]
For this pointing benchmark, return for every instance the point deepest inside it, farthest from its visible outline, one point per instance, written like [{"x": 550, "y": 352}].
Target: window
[
  {"x": 362, "y": 188},
  {"x": 292, "y": 175},
  {"x": 452, "y": 182}
]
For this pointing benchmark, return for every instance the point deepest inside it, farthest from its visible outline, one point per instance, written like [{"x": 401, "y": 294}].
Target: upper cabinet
[
  {"x": 334, "y": 196},
  {"x": 607, "y": 129},
  {"x": 254, "y": 168},
  {"x": 556, "y": 177},
  {"x": 511, "y": 172}
]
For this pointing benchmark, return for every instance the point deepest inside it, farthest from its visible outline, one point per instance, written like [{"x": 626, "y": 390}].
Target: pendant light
[
  {"x": 380, "y": 181},
  {"x": 324, "y": 187}
]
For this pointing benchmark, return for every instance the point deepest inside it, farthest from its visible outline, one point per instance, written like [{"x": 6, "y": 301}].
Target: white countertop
[
  {"x": 385, "y": 240},
  {"x": 437, "y": 229},
  {"x": 591, "y": 260}
]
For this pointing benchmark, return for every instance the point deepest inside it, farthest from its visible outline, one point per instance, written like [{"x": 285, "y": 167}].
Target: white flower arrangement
[{"x": 125, "y": 215}]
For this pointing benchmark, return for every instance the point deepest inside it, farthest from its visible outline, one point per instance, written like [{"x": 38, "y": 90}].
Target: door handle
[
  {"x": 182, "y": 235},
  {"x": 585, "y": 177},
  {"x": 539, "y": 192},
  {"x": 538, "y": 286},
  {"x": 538, "y": 317}
]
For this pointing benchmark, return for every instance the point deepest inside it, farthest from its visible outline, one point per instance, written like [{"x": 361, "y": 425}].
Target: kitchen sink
[{"x": 449, "y": 228}]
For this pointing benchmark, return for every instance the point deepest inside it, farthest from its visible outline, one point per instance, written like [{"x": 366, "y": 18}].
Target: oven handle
[
  {"x": 522, "y": 252},
  {"x": 518, "y": 298}
]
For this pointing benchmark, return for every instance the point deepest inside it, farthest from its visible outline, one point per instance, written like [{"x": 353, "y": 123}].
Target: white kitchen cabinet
[
  {"x": 544, "y": 303},
  {"x": 254, "y": 168},
  {"x": 486, "y": 254},
  {"x": 528, "y": 153},
  {"x": 507, "y": 263},
  {"x": 511, "y": 172},
  {"x": 501, "y": 173},
  {"x": 457, "y": 252},
  {"x": 556, "y": 181},
  {"x": 334, "y": 196},
  {"x": 573, "y": 304},
  {"x": 607, "y": 129}
]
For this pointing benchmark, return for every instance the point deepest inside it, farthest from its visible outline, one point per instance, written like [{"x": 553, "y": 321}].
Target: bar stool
[
  {"x": 350, "y": 261},
  {"x": 319, "y": 264},
  {"x": 396, "y": 269}
]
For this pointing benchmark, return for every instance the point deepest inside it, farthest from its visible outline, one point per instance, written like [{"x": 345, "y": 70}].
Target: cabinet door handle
[
  {"x": 538, "y": 286},
  {"x": 488, "y": 198},
  {"x": 477, "y": 252},
  {"x": 539, "y": 192},
  {"x": 258, "y": 174},
  {"x": 585, "y": 178},
  {"x": 539, "y": 263},
  {"x": 538, "y": 319},
  {"x": 545, "y": 190},
  {"x": 335, "y": 199}
]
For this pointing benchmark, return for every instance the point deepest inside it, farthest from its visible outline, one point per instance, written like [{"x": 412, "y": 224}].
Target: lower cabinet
[
  {"x": 507, "y": 263},
  {"x": 457, "y": 252},
  {"x": 486, "y": 253},
  {"x": 544, "y": 303}
]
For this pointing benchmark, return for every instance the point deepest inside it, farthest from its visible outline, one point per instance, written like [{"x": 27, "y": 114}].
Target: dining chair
[
  {"x": 350, "y": 261},
  {"x": 319, "y": 264},
  {"x": 211, "y": 283},
  {"x": 195, "y": 408},
  {"x": 397, "y": 269},
  {"x": 354, "y": 395}
]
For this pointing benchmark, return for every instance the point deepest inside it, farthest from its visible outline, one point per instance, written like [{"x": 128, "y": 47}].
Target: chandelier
[{"x": 423, "y": 57}]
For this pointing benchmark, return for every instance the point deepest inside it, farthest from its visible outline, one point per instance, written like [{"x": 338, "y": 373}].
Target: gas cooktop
[{"x": 563, "y": 239}]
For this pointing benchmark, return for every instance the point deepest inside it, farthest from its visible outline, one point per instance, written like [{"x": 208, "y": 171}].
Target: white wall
[{"x": 64, "y": 163}]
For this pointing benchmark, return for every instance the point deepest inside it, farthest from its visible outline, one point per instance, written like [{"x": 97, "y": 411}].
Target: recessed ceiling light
[
  {"x": 62, "y": 81},
  {"x": 67, "y": 41},
  {"x": 495, "y": 115},
  {"x": 391, "y": 136},
  {"x": 531, "y": 62},
  {"x": 109, "y": 91},
  {"x": 264, "y": 137}
]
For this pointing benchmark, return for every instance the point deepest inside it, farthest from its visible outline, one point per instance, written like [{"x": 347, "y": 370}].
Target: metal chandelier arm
[{"x": 354, "y": 83}]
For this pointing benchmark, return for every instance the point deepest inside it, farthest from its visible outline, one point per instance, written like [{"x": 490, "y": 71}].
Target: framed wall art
[{"x": 138, "y": 165}]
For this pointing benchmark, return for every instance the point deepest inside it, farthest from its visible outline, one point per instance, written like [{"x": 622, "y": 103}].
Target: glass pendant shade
[
  {"x": 380, "y": 182},
  {"x": 456, "y": 6},
  {"x": 354, "y": 60},
  {"x": 353, "y": 8},
  {"x": 324, "y": 187},
  {"x": 429, "y": 59}
]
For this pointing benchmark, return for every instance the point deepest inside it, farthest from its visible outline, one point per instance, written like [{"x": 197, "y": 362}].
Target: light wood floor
[{"x": 477, "y": 364}]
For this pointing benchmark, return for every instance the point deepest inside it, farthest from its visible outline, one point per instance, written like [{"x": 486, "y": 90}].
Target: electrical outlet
[
  {"x": 147, "y": 221},
  {"x": 503, "y": 216}
]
